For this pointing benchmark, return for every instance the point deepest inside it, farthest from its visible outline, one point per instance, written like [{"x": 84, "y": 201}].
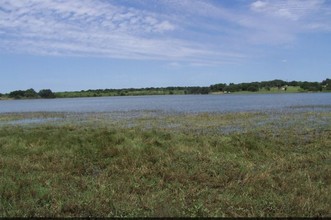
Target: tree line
[
  {"x": 170, "y": 89},
  {"x": 325, "y": 85},
  {"x": 267, "y": 85},
  {"x": 31, "y": 94}
]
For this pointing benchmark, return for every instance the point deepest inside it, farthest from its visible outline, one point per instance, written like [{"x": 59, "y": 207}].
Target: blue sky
[{"x": 89, "y": 44}]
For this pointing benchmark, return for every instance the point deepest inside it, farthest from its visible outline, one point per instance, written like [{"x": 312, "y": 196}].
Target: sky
[{"x": 97, "y": 44}]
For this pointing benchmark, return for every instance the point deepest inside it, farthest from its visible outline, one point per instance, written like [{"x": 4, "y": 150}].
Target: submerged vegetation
[
  {"x": 150, "y": 163},
  {"x": 261, "y": 87}
]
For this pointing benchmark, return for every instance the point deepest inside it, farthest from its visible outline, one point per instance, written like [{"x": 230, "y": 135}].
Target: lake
[{"x": 175, "y": 103}]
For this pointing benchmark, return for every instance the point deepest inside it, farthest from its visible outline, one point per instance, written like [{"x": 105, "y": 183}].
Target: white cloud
[
  {"x": 258, "y": 5},
  {"x": 165, "y": 26},
  {"x": 287, "y": 9},
  {"x": 200, "y": 32},
  {"x": 97, "y": 28},
  {"x": 283, "y": 21}
]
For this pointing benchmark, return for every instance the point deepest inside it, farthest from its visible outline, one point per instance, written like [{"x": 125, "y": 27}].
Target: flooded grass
[{"x": 158, "y": 164}]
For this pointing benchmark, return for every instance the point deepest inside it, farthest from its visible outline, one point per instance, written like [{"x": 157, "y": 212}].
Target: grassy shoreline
[{"x": 159, "y": 165}]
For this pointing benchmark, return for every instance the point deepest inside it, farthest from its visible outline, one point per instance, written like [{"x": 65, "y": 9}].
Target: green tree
[
  {"x": 232, "y": 88},
  {"x": 17, "y": 94},
  {"x": 327, "y": 84},
  {"x": 293, "y": 83},
  {"x": 30, "y": 93},
  {"x": 311, "y": 86},
  {"x": 46, "y": 94},
  {"x": 217, "y": 87},
  {"x": 253, "y": 88}
]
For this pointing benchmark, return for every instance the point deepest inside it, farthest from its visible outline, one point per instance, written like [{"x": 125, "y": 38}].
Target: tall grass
[{"x": 149, "y": 168}]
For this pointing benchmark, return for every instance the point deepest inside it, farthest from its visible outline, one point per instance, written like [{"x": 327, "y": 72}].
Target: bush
[
  {"x": 30, "y": 93},
  {"x": 253, "y": 89},
  {"x": 17, "y": 94},
  {"x": 46, "y": 94}
]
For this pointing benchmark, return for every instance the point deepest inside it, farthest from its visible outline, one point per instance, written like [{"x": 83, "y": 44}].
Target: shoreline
[{"x": 212, "y": 93}]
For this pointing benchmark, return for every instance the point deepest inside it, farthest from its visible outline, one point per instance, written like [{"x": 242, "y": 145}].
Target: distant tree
[
  {"x": 326, "y": 84},
  {"x": 46, "y": 94},
  {"x": 232, "y": 88},
  {"x": 1, "y": 94},
  {"x": 30, "y": 93},
  {"x": 217, "y": 87},
  {"x": 277, "y": 83},
  {"x": 253, "y": 88},
  {"x": 244, "y": 86},
  {"x": 293, "y": 83},
  {"x": 17, "y": 94},
  {"x": 311, "y": 86},
  {"x": 198, "y": 90}
]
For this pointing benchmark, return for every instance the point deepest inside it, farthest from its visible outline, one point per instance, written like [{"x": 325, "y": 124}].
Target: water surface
[{"x": 176, "y": 103}]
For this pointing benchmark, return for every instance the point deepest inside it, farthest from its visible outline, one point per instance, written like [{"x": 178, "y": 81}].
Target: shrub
[{"x": 46, "y": 94}]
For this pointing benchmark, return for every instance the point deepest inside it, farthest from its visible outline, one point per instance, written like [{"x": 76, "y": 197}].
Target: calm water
[{"x": 175, "y": 103}]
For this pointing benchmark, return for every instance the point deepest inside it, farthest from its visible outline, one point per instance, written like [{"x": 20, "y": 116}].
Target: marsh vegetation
[{"x": 149, "y": 163}]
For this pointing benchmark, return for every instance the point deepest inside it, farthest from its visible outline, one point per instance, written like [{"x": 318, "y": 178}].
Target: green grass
[
  {"x": 290, "y": 89},
  {"x": 124, "y": 92},
  {"x": 158, "y": 165}
]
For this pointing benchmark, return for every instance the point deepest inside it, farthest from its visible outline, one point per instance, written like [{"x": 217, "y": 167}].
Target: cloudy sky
[{"x": 68, "y": 45}]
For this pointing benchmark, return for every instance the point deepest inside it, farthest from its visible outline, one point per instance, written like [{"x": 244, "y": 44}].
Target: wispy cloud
[
  {"x": 96, "y": 28},
  {"x": 291, "y": 17},
  {"x": 291, "y": 10},
  {"x": 202, "y": 32}
]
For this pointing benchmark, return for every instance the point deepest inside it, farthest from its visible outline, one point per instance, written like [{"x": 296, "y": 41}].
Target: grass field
[{"x": 151, "y": 164}]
